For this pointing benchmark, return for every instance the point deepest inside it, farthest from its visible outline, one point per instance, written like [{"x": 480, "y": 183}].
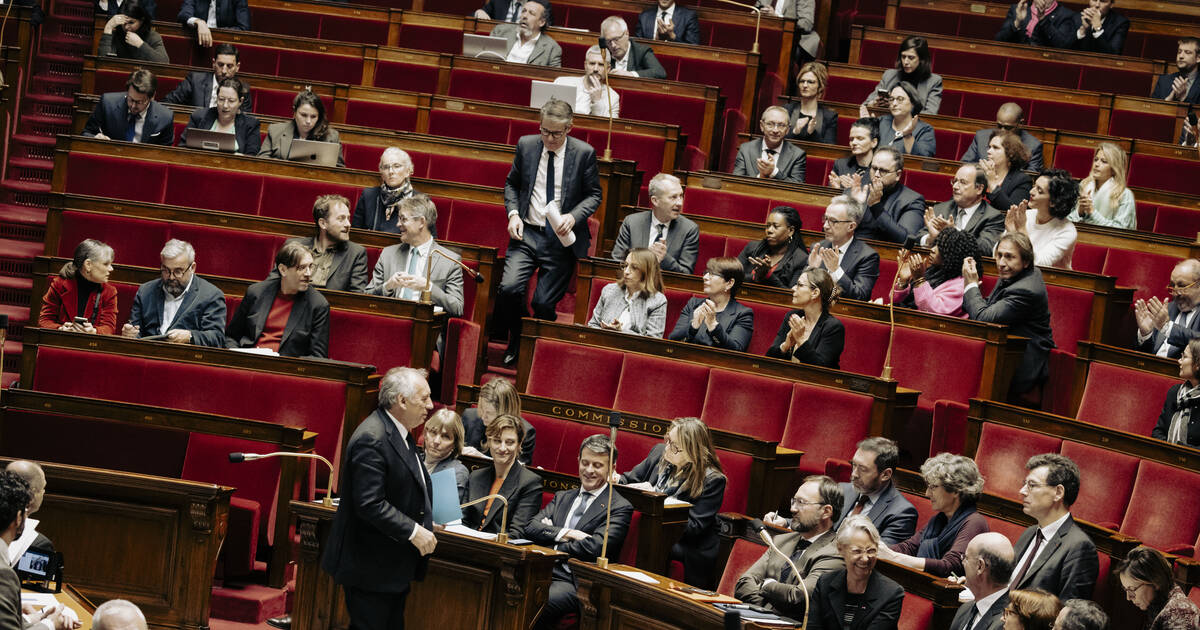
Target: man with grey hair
[
  {"x": 1166, "y": 327},
  {"x": 118, "y": 614},
  {"x": 400, "y": 270},
  {"x": 872, "y": 494},
  {"x": 1081, "y": 614},
  {"x": 551, "y": 190},
  {"x": 769, "y": 157},
  {"x": 383, "y": 532},
  {"x": 674, "y": 239},
  {"x": 178, "y": 306},
  {"x": 852, "y": 264},
  {"x": 527, "y": 41},
  {"x": 31, "y": 538},
  {"x": 573, "y": 522},
  {"x": 987, "y": 564},
  {"x": 627, "y": 58},
  {"x": 592, "y": 93},
  {"x": 377, "y": 206}
]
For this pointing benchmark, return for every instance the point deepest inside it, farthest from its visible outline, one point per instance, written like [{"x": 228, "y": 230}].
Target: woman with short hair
[
  {"x": 1179, "y": 422},
  {"x": 443, "y": 441},
  {"x": 497, "y": 397},
  {"x": 901, "y": 128},
  {"x": 864, "y": 139},
  {"x": 717, "y": 319},
  {"x": 1032, "y": 609},
  {"x": 857, "y": 596},
  {"x": 1149, "y": 584},
  {"x": 227, "y": 117},
  {"x": 507, "y": 476},
  {"x": 1007, "y": 156},
  {"x": 80, "y": 298},
  {"x": 1053, "y": 237}
]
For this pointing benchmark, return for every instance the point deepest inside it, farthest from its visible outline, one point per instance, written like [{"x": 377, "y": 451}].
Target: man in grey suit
[
  {"x": 967, "y": 211},
  {"x": 769, "y": 157},
  {"x": 15, "y": 496},
  {"x": 179, "y": 305},
  {"x": 872, "y": 493},
  {"x": 987, "y": 564},
  {"x": 527, "y": 41},
  {"x": 894, "y": 211},
  {"x": 811, "y": 545},
  {"x": 400, "y": 270},
  {"x": 1009, "y": 117},
  {"x": 338, "y": 264},
  {"x": 852, "y": 264},
  {"x": 1165, "y": 328},
  {"x": 627, "y": 58},
  {"x": 674, "y": 239},
  {"x": 554, "y": 180},
  {"x": 1055, "y": 554}
]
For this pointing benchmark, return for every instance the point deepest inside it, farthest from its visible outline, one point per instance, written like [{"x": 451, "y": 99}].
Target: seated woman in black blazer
[
  {"x": 227, "y": 116},
  {"x": 717, "y": 319},
  {"x": 497, "y": 398},
  {"x": 864, "y": 139},
  {"x": 1008, "y": 185},
  {"x": 685, "y": 466},
  {"x": 780, "y": 256},
  {"x": 857, "y": 597},
  {"x": 506, "y": 476},
  {"x": 1179, "y": 422},
  {"x": 810, "y": 334},
  {"x": 808, "y": 120}
]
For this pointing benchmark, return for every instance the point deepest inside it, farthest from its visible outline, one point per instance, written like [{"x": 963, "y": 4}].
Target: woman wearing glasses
[
  {"x": 902, "y": 129},
  {"x": 227, "y": 117},
  {"x": 1176, "y": 423},
  {"x": 1147, "y": 579},
  {"x": 635, "y": 304},
  {"x": 1032, "y": 609},
  {"x": 857, "y": 597},
  {"x": 685, "y": 467},
  {"x": 809, "y": 334},
  {"x": 717, "y": 319}
]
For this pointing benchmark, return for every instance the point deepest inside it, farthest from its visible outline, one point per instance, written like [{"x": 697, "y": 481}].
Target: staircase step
[
  {"x": 22, "y": 223},
  {"x": 16, "y": 257},
  {"x": 21, "y": 186},
  {"x": 55, "y": 92},
  {"x": 14, "y": 377},
  {"x": 15, "y": 291},
  {"x": 12, "y": 362},
  {"x": 33, "y": 147},
  {"x": 46, "y": 126},
  {"x": 249, "y": 604}
]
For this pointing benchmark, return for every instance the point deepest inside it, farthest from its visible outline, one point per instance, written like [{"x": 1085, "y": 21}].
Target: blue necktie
[{"x": 130, "y": 127}]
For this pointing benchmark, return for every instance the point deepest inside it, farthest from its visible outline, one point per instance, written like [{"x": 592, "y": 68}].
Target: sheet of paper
[
  {"x": 267, "y": 351},
  {"x": 467, "y": 531},
  {"x": 18, "y": 546},
  {"x": 637, "y": 575},
  {"x": 554, "y": 218},
  {"x": 445, "y": 497},
  {"x": 38, "y": 599},
  {"x": 669, "y": 501}
]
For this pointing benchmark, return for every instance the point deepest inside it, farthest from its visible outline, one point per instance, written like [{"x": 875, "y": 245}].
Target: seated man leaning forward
[{"x": 180, "y": 305}]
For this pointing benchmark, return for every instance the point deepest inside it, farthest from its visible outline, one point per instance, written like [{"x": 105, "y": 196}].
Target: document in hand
[{"x": 445, "y": 497}]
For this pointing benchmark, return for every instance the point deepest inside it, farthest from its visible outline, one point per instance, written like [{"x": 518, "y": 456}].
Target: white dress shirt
[
  {"x": 521, "y": 50},
  {"x": 767, "y": 157},
  {"x": 139, "y": 124},
  {"x": 171, "y": 306},
  {"x": 654, "y": 223},
  {"x": 837, "y": 274},
  {"x": 584, "y": 103},
  {"x": 537, "y": 198},
  {"x": 983, "y": 604}
]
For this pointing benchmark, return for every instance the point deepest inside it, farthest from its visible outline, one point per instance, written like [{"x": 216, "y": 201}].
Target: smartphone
[
  {"x": 81, "y": 320},
  {"x": 1191, "y": 118},
  {"x": 883, "y": 94}
]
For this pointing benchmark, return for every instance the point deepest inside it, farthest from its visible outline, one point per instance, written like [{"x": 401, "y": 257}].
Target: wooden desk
[{"x": 73, "y": 599}]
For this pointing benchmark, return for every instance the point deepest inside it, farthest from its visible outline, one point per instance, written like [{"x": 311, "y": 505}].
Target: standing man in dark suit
[
  {"x": 377, "y": 206},
  {"x": 1165, "y": 328},
  {"x": 283, "y": 313},
  {"x": 853, "y": 265},
  {"x": 871, "y": 492},
  {"x": 967, "y": 211},
  {"x": 1010, "y": 117},
  {"x": 205, "y": 15},
  {"x": 674, "y": 239},
  {"x": 400, "y": 270},
  {"x": 1019, "y": 299},
  {"x": 199, "y": 89},
  {"x": 894, "y": 211},
  {"x": 1182, "y": 85},
  {"x": 1035, "y": 22},
  {"x": 987, "y": 564},
  {"x": 554, "y": 178},
  {"x": 574, "y": 523},
  {"x": 338, "y": 264},
  {"x": 669, "y": 22},
  {"x": 382, "y": 535},
  {"x": 1099, "y": 29},
  {"x": 627, "y": 58},
  {"x": 769, "y": 157},
  {"x": 181, "y": 305},
  {"x": 1055, "y": 554},
  {"x": 133, "y": 115}
]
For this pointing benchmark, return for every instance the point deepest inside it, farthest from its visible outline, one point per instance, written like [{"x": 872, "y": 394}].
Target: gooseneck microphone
[
  {"x": 757, "y": 525},
  {"x": 502, "y": 536},
  {"x": 238, "y": 458},
  {"x": 614, "y": 421},
  {"x": 427, "y": 292}
]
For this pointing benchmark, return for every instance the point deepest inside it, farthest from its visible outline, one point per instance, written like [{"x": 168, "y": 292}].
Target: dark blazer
[
  {"x": 1054, "y": 30},
  {"x": 580, "y": 184},
  {"x": 892, "y": 514},
  {"x": 849, "y": 166},
  {"x": 369, "y": 213},
  {"x": 498, "y": 10},
  {"x": 1180, "y": 336},
  {"x": 924, "y": 140},
  {"x": 786, "y": 597},
  {"x": 202, "y": 312},
  {"x": 523, "y": 489},
  {"x": 735, "y": 326},
  {"x": 790, "y": 162},
  {"x": 385, "y": 494},
  {"x": 1163, "y": 87},
  {"x": 1012, "y": 191},
  {"x": 349, "y": 266},
  {"x": 786, "y": 272},
  {"x": 861, "y": 269},
  {"x": 1170, "y": 406},
  {"x": 687, "y": 25},
  {"x": 246, "y": 127},
  {"x": 231, "y": 14},
  {"x": 1111, "y": 41},
  {"x": 196, "y": 90},
  {"x": 990, "y": 620},
  {"x": 1066, "y": 566},
  {"x": 823, "y": 346},
  {"x": 306, "y": 333},
  {"x": 1021, "y": 303},
  {"x": 880, "y": 609},
  {"x": 113, "y": 9},
  {"x": 474, "y": 435},
  {"x": 898, "y": 215},
  {"x": 683, "y": 241},
  {"x": 986, "y": 224},
  {"x": 592, "y": 523},
  {"x": 110, "y": 117},
  {"x": 929, "y": 89},
  {"x": 978, "y": 149},
  {"x": 827, "y": 125},
  {"x": 60, "y": 304},
  {"x": 642, "y": 61},
  {"x": 279, "y": 141}
]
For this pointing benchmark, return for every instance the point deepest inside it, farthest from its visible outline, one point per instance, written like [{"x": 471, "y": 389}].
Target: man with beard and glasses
[
  {"x": 179, "y": 306},
  {"x": 527, "y": 43},
  {"x": 1166, "y": 326},
  {"x": 872, "y": 493},
  {"x": 811, "y": 545},
  {"x": 283, "y": 314},
  {"x": 338, "y": 264}
]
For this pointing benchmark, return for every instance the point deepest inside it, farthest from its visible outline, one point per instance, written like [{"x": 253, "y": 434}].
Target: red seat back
[
  {"x": 1002, "y": 454},
  {"x": 1123, "y": 398},
  {"x": 572, "y": 372},
  {"x": 806, "y": 432},
  {"x": 916, "y": 614},
  {"x": 660, "y": 388},
  {"x": 742, "y": 556},
  {"x": 1164, "y": 508},
  {"x": 746, "y": 403},
  {"x": 1110, "y": 476}
]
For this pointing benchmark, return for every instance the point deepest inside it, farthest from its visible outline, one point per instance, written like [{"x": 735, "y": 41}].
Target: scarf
[
  {"x": 391, "y": 198},
  {"x": 938, "y": 536},
  {"x": 1185, "y": 399},
  {"x": 1035, "y": 17}
]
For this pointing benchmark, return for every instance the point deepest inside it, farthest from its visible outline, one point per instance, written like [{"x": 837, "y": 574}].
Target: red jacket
[{"x": 61, "y": 302}]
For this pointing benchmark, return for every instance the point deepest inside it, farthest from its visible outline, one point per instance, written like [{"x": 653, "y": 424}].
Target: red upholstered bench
[
  {"x": 866, "y": 346},
  {"x": 1164, "y": 509},
  {"x": 1122, "y": 398},
  {"x": 749, "y": 404},
  {"x": 715, "y": 203},
  {"x": 916, "y": 613},
  {"x": 661, "y": 387},
  {"x": 573, "y": 372},
  {"x": 1110, "y": 477},
  {"x": 1002, "y": 453},
  {"x": 414, "y": 77},
  {"x": 742, "y": 556},
  {"x": 1070, "y": 315},
  {"x": 806, "y": 431},
  {"x": 381, "y": 115},
  {"x": 1177, "y": 221},
  {"x": 329, "y": 27},
  {"x": 1163, "y": 173},
  {"x": 1141, "y": 270}
]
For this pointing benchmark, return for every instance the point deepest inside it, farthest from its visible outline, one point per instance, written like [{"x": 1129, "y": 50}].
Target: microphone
[
  {"x": 608, "y": 96},
  {"x": 757, "y": 21},
  {"x": 501, "y": 537},
  {"x": 757, "y": 525},
  {"x": 614, "y": 421},
  {"x": 886, "y": 374},
  {"x": 238, "y": 458},
  {"x": 3, "y": 338},
  {"x": 733, "y": 620},
  {"x": 427, "y": 292}
]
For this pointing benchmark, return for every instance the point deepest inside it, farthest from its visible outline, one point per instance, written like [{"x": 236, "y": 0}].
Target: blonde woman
[
  {"x": 1103, "y": 198},
  {"x": 635, "y": 304},
  {"x": 443, "y": 441},
  {"x": 497, "y": 398}
]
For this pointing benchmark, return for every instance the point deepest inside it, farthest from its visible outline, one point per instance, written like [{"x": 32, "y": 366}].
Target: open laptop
[
  {"x": 542, "y": 91},
  {"x": 313, "y": 152},
  {"x": 485, "y": 46},
  {"x": 211, "y": 140}
]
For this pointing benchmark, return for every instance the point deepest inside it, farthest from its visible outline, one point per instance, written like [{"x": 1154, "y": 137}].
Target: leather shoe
[
  {"x": 284, "y": 622},
  {"x": 510, "y": 358}
]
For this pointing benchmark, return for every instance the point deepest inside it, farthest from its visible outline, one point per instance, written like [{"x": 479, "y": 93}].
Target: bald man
[
  {"x": 118, "y": 614},
  {"x": 1009, "y": 117},
  {"x": 36, "y": 478},
  {"x": 987, "y": 565},
  {"x": 1165, "y": 328}
]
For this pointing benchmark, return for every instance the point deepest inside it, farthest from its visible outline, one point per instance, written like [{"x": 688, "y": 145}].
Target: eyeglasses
[
  {"x": 552, "y": 134},
  {"x": 178, "y": 274},
  {"x": 832, "y": 221},
  {"x": 796, "y": 503},
  {"x": 1132, "y": 592},
  {"x": 881, "y": 171},
  {"x": 1175, "y": 289},
  {"x": 671, "y": 445},
  {"x": 1032, "y": 485},
  {"x": 774, "y": 125},
  {"x": 225, "y": 100}
]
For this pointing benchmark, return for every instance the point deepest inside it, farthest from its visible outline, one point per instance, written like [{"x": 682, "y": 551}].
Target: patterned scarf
[
  {"x": 1035, "y": 17},
  {"x": 391, "y": 198},
  {"x": 1185, "y": 400}
]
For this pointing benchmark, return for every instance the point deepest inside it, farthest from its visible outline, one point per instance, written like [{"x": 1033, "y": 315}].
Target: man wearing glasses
[
  {"x": 1165, "y": 328},
  {"x": 133, "y": 115},
  {"x": 179, "y": 306},
  {"x": 852, "y": 264},
  {"x": 283, "y": 314},
  {"x": 1010, "y": 117},
  {"x": 894, "y": 211},
  {"x": 769, "y": 157},
  {"x": 628, "y": 58},
  {"x": 551, "y": 190}
]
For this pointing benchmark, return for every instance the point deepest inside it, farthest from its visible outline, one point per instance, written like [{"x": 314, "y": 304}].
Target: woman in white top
[
  {"x": 1043, "y": 218},
  {"x": 634, "y": 304},
  {"x": 1103, "y": 198}
]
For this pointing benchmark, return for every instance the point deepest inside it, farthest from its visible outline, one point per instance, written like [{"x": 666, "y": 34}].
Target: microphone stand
[
  {"x": 427, "y": 292},
  {"x": 757, "y": 21},
  {"x": 501, "y": 537},
  {"x": 4, "y": 320},
  {"x": 887, "y": 359},
  {"x": 758, "y": 526},
  {"x": 607, "y": 95},
  {"x": 614, "y": 421},
  {"x": 238, "y": 458}
]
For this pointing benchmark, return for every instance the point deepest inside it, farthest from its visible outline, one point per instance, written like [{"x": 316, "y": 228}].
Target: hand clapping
[{"x": 970, "y": 272}]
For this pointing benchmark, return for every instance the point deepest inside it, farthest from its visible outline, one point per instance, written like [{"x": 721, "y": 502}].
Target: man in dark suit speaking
[
  {"x": 382, "y": 535},
  {"x": 283, "y": 313},
  {"x": 133, "y": 115},
  {"x": 551, "y": 190},
  {"x": 674, "y": 239},
  {"x": 179, "y": 304}
]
